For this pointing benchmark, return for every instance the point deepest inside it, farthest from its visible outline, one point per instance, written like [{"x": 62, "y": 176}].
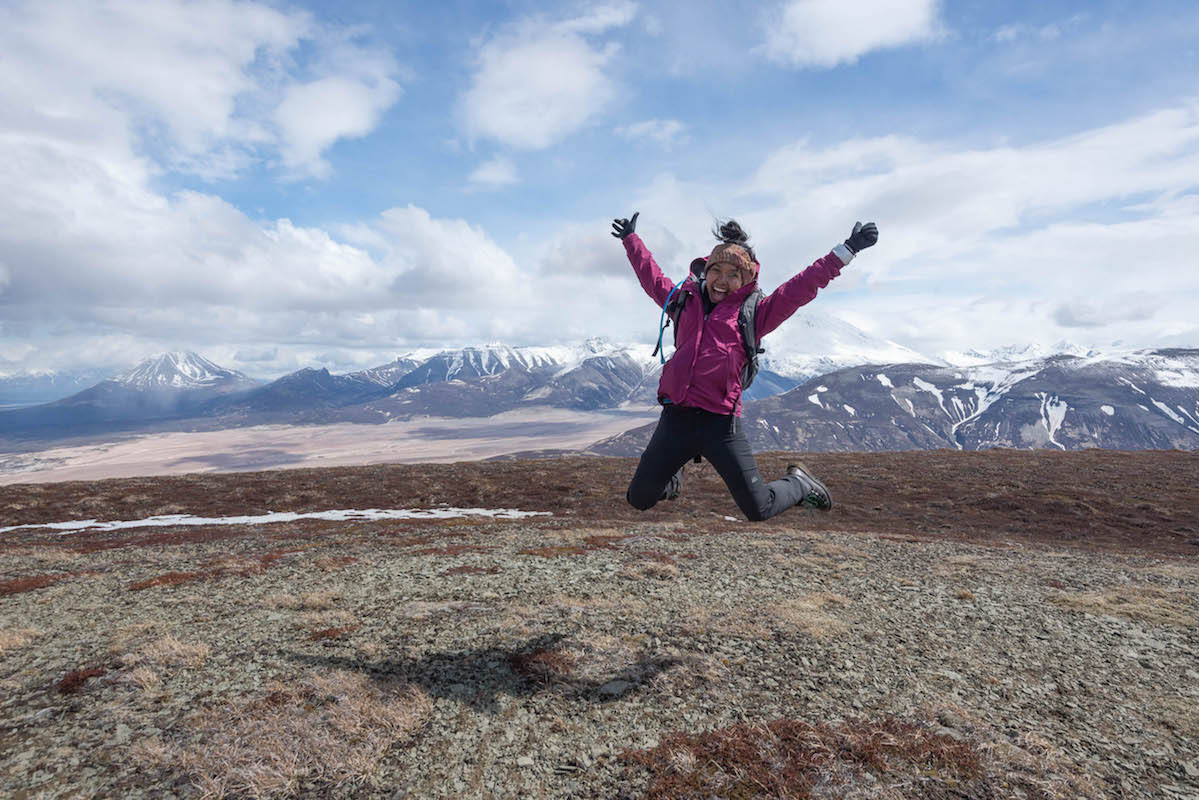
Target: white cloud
[
  {"x": 537, "y": 82},
  {"x": 661, "y": 131},
  {"x": 825, "y": 33},
  {"x": 982, "y": 246},
  {"x": 206, "y": 87},
  {"x": 312, "y": 116},
  {"x": 1045, "y": 33},
  {"x": 497, "y": 172}
]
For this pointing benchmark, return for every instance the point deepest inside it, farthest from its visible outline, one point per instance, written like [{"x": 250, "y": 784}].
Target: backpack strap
[
  {"x": 671, "y": 311},
  {"x": 747, "y": 322}
]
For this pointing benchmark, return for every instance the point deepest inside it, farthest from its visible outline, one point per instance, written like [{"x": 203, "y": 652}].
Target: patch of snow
[
  {"x": 1169, "y": 412},
  {"x": 815, "y": 398},
  {"x": 338, "y": 515},
  {"x": 850, "y": 409},
  {"x": 822, "y": 388},
  {"x": 885, "y": 381},
  {"x": 1107, "y": 410},
  {"x": 1133, "y": 385},
  {"x": 1143, "y": 408},
  {"x": 1179, "y": 378},
  {"x": 925, "y": 386},
  {"x": 1053, "y": 413}
]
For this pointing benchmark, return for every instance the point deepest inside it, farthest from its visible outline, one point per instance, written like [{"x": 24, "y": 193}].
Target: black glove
[
  {"x": 623, "y": 227},
  {"x": 863, "y": 236}
]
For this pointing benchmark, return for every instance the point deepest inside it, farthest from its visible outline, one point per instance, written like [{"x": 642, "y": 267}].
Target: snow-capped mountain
[
  {"x": 183, "y": 370},
  {"x": 1022, "y": 352},
  {"x": 488, "y": 380},
  {"x": 167, "y": 386},
  {"x": 814, "y": 343},
  {"x": 43, "y": 386},
  {"x": 1138, "y": 400},
  {"x": 389, "y": 374}
]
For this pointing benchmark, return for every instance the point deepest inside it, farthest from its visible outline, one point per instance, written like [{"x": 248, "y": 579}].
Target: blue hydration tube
[{"x": 662, "y": 321}]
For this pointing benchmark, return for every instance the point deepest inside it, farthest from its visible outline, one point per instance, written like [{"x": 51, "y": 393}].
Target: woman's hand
[
  {"x": 623, "y": 227},
  {"x": 863, "y": 236}
]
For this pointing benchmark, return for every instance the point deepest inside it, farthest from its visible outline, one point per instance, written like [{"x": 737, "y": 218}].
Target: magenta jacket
[{"x": 705, "y": 370}]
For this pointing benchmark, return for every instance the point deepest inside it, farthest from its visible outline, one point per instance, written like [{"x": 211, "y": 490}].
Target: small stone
[
  {"x": 524, "y": 761},
  {"x": 615, "y": 688},
  {"x": 1190, "y": 769}
]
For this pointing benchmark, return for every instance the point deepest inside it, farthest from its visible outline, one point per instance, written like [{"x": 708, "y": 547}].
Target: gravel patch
[{"x": 544, "y": 658}]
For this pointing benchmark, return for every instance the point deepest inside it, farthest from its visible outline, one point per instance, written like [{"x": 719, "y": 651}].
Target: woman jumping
[{"x": 700, "y": 389}]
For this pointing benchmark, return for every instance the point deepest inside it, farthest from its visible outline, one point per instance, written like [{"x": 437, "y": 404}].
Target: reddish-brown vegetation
[
  {"x": 332, "y": 633},
  {"x": 1124, "y": 501},
  {"x": 329, "y": 563},
  {"x": 173, "y": 579},
  {"x": 542, "y": 666},
  {"x": 789, "y": 758},
  {"x": 555, "y": 552},
  {"x": 74, "y": 681},
  {"x": 28, "y": 584}
]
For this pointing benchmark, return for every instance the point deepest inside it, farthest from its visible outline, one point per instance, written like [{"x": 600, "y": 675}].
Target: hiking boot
[
  {"x": 675, "y": 487},
  {"x": 815, "y": 493}
]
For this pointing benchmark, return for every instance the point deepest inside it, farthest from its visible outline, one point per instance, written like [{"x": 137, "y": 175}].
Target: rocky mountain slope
[{"x": 1129, "y": 401}]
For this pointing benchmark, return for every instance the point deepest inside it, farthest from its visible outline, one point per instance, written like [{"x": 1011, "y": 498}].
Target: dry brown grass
[
  {"x": 1140, "y": 603},
  {"x": 964, "y": 594},
  {"x": 330, "y": 730},
  {"x": 960, "y": 565},
  {"x": 310, "y": 601},
  {"x": 16, "y": 638},
  {"x": 316, "y": 620},
  {"x": 1179, "y": 714},
  {"x": 698, "y": 620},
  {"x": 835, "y": 550},
  {"x": 422, "y": 609},
  {"x": 166, "y": 651},
  {"x": 654, "y": 570},
  {"x": 806, "y": 614},
  {"x": 41, "y": 556},
  {"x": 792, "y": 562},
  {"x": 1183, "y": 573},
  {"x": 142, "y": 677}
]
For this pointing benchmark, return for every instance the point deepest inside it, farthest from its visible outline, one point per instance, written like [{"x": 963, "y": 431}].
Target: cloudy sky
[{"x": 277, "y": 185}]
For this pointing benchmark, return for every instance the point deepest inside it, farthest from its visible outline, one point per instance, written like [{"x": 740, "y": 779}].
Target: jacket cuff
[{"x": 844, "y": 253}]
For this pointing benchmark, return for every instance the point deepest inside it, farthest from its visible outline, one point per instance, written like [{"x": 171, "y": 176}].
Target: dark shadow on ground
[
  {"x": 263, "y": 457},
  {"x": 499, "y": 432},
  {"x": 478, "y": 677}
]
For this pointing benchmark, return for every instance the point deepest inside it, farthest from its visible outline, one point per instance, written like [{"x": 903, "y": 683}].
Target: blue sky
[{"x": 279, "y": 185}]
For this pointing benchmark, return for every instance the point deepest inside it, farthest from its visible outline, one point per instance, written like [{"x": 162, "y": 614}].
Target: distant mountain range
[
  {"x": 814, "y": 392},
  {"x": 1137, "y": 400}
]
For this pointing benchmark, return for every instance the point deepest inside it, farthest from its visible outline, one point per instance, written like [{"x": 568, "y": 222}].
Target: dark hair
[{"x": 730, "y": 232}]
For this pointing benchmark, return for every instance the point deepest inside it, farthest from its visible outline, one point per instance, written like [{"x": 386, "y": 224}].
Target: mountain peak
[{"x": 177, "y": 370}]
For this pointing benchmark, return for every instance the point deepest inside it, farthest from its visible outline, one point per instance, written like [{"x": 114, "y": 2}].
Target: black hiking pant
[{"x": 684, "y": 433}]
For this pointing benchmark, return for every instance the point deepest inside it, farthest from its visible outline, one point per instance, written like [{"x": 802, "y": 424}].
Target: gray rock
[
  {"x": 524, "y": 761},
  {"x": 615, "y": 688}
]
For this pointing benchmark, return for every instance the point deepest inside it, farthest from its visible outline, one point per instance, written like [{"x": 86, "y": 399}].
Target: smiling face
[{"x": 721, "y": 280}]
